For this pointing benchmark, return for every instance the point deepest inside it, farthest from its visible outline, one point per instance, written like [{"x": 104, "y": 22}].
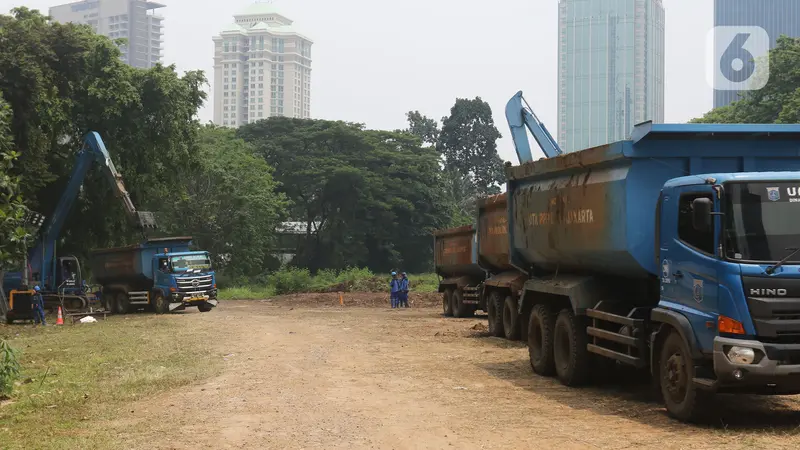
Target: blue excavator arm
[
  {"x": 42, "y": 256},
  {"x": 521, "y": 115}
]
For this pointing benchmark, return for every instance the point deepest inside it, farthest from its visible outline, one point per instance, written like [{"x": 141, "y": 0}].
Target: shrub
[
  {"x": 290, "y": 280},
  {"x": 9, "y": 368}
]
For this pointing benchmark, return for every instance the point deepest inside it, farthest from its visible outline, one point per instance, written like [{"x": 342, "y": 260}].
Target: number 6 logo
[{"x": 737, "y": 58}]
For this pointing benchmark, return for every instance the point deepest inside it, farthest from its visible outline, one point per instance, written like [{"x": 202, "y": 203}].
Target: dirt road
[{"x": 355, "y": 377}]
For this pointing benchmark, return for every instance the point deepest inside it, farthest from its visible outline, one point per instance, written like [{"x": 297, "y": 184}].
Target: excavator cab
[{"x": 69, "y": 275}]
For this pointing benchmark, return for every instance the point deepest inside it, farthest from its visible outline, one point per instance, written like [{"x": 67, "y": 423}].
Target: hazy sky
[{"x": 373, "y": 60}]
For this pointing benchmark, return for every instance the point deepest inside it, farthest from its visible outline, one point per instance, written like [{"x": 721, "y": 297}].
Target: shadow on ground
[{"x": 628, "y": 394}]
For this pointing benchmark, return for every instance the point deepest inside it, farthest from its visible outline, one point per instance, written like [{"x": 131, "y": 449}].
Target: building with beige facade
[
  {"x": 262, "y": 68},
  {"x": 133, "y": 20}
]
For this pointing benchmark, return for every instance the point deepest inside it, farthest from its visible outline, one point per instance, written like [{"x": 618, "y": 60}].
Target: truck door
[
  {"x": 161, "y": 272},
  {"x": 689, "y": 278}
]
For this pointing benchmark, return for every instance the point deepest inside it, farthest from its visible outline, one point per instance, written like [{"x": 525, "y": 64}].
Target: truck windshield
[
  {"x": 184, "y": 262},
  {"x": 761, "y": 221}
]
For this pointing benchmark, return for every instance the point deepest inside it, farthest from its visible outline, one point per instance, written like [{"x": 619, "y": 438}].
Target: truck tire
[
  {"x": 121, "y": 303},
  {"x": 494, "y": 306},
  {"x": 447, "y": 302},
  {"x": 510, "y": 319},
  {"x": 204, "y": 308},
  {"x": 160, "y": 303},
  {"x": 541, "y": 324},
  {"x": 569, "y": 349},
  {"x": 676, "y": 371},
  {"x": 461, "y": 309}
]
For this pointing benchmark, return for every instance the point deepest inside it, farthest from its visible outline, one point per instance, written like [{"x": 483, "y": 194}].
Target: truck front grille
[
  {"x": 193, "y": 284},
  {"x": 777, "y": 319}
]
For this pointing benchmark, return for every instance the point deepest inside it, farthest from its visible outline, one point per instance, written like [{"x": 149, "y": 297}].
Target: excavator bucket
[{"x": 146, "y": 220}]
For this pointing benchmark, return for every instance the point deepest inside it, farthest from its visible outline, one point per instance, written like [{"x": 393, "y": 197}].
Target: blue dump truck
[
  {"x": 161, "y": 274},
  {"x": 676, "y": 251}
]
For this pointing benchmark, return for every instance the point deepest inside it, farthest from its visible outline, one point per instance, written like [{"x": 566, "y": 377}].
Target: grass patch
[
  {"x": 253, "y": 292},
  {"x": 74, "y": 377},
  {"x": 297, "y": 280}
]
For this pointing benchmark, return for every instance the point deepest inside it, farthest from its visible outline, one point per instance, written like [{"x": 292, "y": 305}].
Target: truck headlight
[{"x": 741, "y": 355}]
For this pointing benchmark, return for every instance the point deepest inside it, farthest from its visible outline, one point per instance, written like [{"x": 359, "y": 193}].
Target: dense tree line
[{"x": 367, "y": 197}]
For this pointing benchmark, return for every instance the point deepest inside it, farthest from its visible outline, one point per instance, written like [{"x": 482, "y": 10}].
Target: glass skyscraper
[
  {"x": 777, "y": 17},
  {"x": 610, "y": 69}
]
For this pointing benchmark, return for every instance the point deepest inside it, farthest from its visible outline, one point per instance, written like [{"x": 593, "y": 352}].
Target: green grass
[
  {"x": 293, "y": 280},
  {"x": 73, "y": 377}
]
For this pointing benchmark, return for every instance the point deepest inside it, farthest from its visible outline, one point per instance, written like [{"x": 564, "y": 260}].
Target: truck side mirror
[{"x": 701, "y": 214}]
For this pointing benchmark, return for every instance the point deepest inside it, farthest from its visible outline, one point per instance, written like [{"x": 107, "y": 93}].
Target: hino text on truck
[{"x": 675, "y": 251}]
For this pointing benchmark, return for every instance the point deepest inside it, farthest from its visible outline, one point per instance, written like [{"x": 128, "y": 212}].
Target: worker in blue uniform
[
  {"x": 394, "y": 290},
  {"x": 38, "y": 306},
  {"x": 403, "y": 294}
]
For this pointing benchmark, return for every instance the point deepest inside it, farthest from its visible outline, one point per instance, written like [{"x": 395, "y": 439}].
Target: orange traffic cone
[{"x": 60, "y": 320}]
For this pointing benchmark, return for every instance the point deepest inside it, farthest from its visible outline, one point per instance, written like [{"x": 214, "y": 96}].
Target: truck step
[
  {"x": 705, "y": 384},
  {"x": 621, "y": 357},
  {"x": 615, "y": 337},
  {"x": 614, "y": 318}
]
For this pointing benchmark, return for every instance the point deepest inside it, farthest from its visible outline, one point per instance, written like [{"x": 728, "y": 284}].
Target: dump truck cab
[
  {"x": 729, "y": 250},
  {"x": 185, "y": 278},
  {"x": 163, "y": 274}
]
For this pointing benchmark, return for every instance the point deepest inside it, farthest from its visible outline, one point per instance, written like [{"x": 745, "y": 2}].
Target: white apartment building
[
  {"x": 134, "y": 20},
  {"x": 262, "y": 68}
]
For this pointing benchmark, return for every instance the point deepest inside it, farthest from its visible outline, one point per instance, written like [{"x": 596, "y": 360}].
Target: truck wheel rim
[{"x": 675, "y": 377}]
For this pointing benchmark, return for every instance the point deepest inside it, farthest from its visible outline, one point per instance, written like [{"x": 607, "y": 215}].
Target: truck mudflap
[{"x": 750, "y": 366}]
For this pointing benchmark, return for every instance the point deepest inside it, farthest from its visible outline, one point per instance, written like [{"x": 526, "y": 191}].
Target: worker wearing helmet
[
  {"x": 38, "y": 306},
  {"x": 403, "y": 294},
  {"x": 394, "y": 289}
]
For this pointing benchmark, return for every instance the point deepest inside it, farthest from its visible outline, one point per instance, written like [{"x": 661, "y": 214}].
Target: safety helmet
[
  {"x": 36, "y": 288},
  {"x": 403, "y": 273},
  {"x": 394, "y": 273}
]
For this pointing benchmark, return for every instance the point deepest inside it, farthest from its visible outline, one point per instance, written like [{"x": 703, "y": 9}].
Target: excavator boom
[{"x": 520, "y": 116}]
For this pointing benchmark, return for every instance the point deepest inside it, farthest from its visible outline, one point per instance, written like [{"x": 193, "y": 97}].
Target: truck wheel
[
  {"x": 676, "y": 371},
  {"x": 569, "y": 349},
  {"x": 460, "y": 309},
  {"x": 160, "y": 303},
  {"x": 447, "y": 302},
  {"x": 494, "y": 306},
  {"x": 510, "y": 319},
  {"x": 540, "y": 340},
  {"x": 204, "y": 308},
  {"x": 121, "y": 303}
]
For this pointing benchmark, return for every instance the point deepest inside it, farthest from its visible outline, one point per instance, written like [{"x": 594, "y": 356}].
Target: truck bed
[
  {"x": 595, "y": 210},
  {"x": 455, "y": 252}
]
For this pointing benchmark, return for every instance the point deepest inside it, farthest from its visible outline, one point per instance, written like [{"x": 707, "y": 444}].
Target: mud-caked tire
[
  {"x": 121, "y": 303},
  {"x": 447, "y": 302},
  {"x": 541, "y": 325},
  {"x": 494, "y": 307},
  {"x": 684, "y": 401},
  {"x": 570, "y": 355},
  {"x": 461, "y": 309},
  {"x": 160, "y": 303},
  {"x": 511, "y": 325}
]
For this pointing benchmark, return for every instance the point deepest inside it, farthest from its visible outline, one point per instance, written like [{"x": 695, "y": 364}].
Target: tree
[
  {"x": 63, "y": 80},
  {"x": 423, "y": 127},
  {"x": 778, "y": 101},
  {"x": 231, "y": 206},
  {"x": 12, "y": 209},
  {"x": 468, "y": 142},
  {"x": 368, "y": 198}
]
